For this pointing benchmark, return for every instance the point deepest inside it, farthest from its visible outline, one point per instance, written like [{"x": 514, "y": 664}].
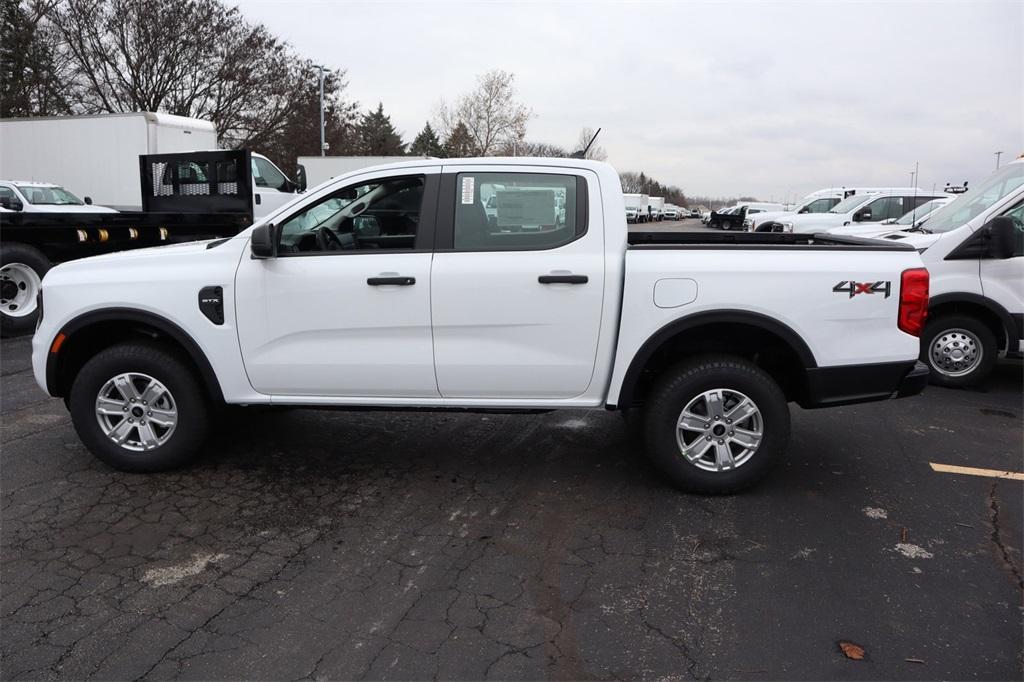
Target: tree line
[{"x": 203, "y": 59}]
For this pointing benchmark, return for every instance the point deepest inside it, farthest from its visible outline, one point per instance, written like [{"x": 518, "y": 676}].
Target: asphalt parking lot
[{"x": 352, "y": 545}]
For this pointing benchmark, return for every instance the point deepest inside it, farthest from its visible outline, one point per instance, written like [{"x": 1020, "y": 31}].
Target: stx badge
[{"x": 853, "y": 288}]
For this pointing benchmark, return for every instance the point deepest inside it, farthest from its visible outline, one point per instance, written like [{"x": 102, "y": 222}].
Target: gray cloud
[{"x": 772, "y": 99}]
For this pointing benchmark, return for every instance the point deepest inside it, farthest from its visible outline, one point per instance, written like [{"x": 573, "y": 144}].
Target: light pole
[
  {"x": 998, "y": 154},
  {"x": 323, "y": 142}
]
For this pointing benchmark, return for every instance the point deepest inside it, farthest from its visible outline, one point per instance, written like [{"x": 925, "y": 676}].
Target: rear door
[{"x": 516, "y": 291}]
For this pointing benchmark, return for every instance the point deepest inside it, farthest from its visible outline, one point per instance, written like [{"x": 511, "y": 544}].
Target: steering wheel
[{"x": 327, "y": 240}]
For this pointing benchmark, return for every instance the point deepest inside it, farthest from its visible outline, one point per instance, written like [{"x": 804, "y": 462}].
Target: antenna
[{"x": 582, "y": 154}]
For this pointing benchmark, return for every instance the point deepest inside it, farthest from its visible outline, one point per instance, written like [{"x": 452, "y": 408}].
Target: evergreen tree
[
  {"x": 459, "y": 142},
  {"x": 377, "y": 136},
  {"x": 426, "y": 143}
]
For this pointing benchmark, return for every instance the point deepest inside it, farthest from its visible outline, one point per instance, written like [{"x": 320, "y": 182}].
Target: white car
[
  {"x": 389, "y": 287},
  {"x": 912, "y": 220},
  {"x": 670, "y": 213},
  {"x": 44, "y": 197}
]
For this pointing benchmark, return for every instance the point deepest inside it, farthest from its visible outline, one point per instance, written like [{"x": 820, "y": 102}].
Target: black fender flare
[
  {"x": 161, "y": 324},
  {"x": 660, "y": 337},
  {"x": 1010, "y": 325}
]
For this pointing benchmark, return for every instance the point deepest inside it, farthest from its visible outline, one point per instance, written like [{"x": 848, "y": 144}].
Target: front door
[
  {"x": 344, "y": 308},
  {"x": 518, "y": 282},
  {"x": 1002, "y": 279},
  {"x": 270, "y": 187}
]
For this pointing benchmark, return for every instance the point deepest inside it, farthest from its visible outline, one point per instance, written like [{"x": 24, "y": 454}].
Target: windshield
[
  {"x": 921, "y": 211},
  {"x": 49, "y": 196},
  {"x": 850, "y": 203},
  {"x": 978, "y": 200}
]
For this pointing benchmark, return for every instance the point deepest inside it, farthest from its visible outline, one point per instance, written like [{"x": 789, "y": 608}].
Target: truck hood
[
  {"x": 142, "y": 264},
  {"x": 863, "y": 230},
  {"x": 758, "y": 218},
  {"x": 816, "y": 222}
]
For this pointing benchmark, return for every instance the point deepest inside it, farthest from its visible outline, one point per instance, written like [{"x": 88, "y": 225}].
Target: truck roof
[
  {"x": 154, "y": 117},
  {"x": 493, "y": 161}
]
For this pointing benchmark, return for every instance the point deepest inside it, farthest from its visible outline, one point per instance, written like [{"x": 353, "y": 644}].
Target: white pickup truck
[{"x": 390, "y": 288}]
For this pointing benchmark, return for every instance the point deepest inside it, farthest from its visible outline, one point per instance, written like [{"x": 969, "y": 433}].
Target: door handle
[
  {"x": 563, "y": 279},
  {"x": 392, "y": 281}
]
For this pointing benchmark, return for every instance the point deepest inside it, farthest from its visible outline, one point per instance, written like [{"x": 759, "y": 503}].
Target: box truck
[
  {"x": 99, "y": 155},
  {"x": 636, "y": 207},
  {"x": 657, "y": 205}
]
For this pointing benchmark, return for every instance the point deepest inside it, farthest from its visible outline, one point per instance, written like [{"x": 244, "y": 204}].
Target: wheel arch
[
  {"x": 741, "y": 332},
  {"x": 91, "y": 332},
  {"x": 992, "y": 314}
]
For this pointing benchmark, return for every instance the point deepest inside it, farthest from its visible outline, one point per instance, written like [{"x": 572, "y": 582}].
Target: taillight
[{"x": 913, "y": 301}]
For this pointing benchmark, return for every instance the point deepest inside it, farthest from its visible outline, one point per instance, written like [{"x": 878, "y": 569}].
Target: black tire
[
  {"x": 167, "y": 368},
  {"x": 950, "y": 326},
  {"x": 33, "y": 258},
  {"x": 686, "y": 382}
]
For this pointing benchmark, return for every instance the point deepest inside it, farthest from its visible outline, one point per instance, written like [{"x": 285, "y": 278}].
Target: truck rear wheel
[
  {"x": 22, "y": 268},
  {"x": 959, "y": 350},
  {"x": 716, "y": 424},
  {"x": 138, "y": 407}
]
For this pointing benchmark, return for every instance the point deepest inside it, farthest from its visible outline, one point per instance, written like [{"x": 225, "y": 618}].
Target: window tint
[
  {"x": 820, "y": 205},
  {"x": 498, "y": 211},
  {"x": 6, "y": 193},
  {"x": 1017, "y": 214},
  {"x": 378, "y": 214},
  {"x": 884, "y": 208},
  {"x": 265, "y": 174}
]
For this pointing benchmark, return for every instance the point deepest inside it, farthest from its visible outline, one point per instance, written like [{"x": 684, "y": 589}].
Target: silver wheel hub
[
  {"x": 955, "y": 352},
  {"x": 136, "y": 411},
  {"x": 719, "y": 430},
  {"x": 19, "y": 286}
]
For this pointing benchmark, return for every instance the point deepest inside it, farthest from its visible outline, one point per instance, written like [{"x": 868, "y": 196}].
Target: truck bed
[{"x": 758, "y": 240}]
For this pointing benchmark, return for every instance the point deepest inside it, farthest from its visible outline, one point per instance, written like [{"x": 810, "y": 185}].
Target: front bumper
[{"x": 851, "y": 384}]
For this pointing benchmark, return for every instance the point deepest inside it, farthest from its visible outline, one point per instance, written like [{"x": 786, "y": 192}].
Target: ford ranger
[{"x": 390, "y": 287}]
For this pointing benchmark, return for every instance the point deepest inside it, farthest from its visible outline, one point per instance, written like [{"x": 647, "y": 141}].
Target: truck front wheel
[
  {"x": 138, "y": 407},
  {"x": 716, "y": 424},
  {"x": 21, "y": 274},
  {"x": 960, "y": 350}
]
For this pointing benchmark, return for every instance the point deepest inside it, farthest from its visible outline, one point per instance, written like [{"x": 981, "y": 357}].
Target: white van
[
  {"x": 974, "y": 251},
  {"x": 911, "y": 220}
]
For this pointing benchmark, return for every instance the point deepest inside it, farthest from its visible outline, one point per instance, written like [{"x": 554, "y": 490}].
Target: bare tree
[
  {"x": 538, "y": 149},
  {"x": 491, "y": 114},
  {"x": 631, "y": 182},
  {"x": 189, "y": 57},
  {"x": 596, "y": 151},
  {"x": 33, "y": 72}
]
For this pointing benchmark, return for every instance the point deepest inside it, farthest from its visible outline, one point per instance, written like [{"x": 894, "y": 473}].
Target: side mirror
[
  {"x": 300, "y": 177},
  {"x": 263, "y": 242},
  {"x": 88, "y": 201},
  {"x": 1002, "y": 237},
  {"x": 862, "y": 216}
]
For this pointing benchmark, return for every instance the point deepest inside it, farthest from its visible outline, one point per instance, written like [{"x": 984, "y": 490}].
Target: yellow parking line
[{"x": 972, "y": 471}]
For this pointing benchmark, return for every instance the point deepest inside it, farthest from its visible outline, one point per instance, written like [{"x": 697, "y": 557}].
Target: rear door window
[{"x": 517, "y": 211}]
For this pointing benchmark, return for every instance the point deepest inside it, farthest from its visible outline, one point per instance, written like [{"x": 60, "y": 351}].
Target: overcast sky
[{"x": 771, "y": 99}]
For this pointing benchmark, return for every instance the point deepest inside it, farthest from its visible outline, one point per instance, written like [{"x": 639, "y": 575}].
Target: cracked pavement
[{"x": 397, "y": 545}]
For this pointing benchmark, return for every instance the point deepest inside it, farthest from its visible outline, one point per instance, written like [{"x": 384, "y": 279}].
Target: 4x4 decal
[{"x": 852, "y": 287}]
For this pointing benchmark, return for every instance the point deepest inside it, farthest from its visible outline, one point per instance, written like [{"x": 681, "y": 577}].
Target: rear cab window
[{"x": 517, "y": 211}]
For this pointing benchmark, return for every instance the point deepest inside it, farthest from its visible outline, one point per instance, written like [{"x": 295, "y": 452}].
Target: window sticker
[{"x": 467, "y": 190}]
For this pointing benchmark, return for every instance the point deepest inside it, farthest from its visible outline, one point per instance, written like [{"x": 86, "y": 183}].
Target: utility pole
[
  {"x": 323, "y": 142},
  {"x": 998, "y": 154}
]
